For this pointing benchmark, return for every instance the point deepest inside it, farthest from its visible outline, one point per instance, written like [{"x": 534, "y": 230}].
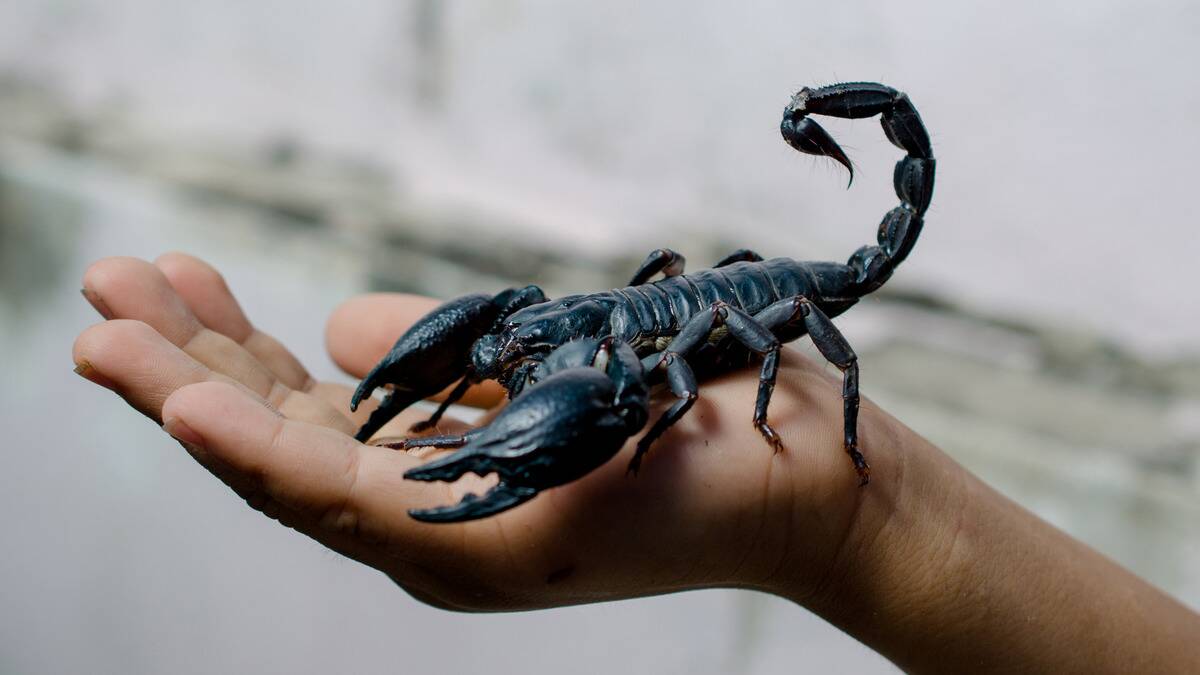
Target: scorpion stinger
[{"x": 576, "y": 400}]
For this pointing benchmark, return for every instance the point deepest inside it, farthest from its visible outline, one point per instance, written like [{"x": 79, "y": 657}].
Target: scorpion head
[{"x": 530, "y": 334}]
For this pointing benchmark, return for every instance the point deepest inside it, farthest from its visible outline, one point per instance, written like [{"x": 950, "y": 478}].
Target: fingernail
[
  {"x": 87, "y": 371},
  {"x": 183, "y": 433},
  {"x": 194, "y": 444},
  {"x": 96, "y": 302}
]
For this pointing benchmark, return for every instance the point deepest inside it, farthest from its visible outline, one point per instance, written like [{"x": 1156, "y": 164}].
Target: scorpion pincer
[{"x": 579, "y": 369}]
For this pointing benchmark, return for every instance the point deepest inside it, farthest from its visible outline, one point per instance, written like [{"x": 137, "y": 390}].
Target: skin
[{"x": 926, "y": 565}]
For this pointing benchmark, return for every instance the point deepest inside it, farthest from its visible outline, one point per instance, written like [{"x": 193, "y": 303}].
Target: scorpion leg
[
  {"x": 833, "y": 346},
  {"x": 746, "y": 330},
  {"x": 758, "y": 338},
  {"x": 662, "y": 260},
  {"x": 682, "y": 382},
  {"x": 755, "y": 333},
  {"x": 680, "y": 378},
  {"x": 451, "y": 398},
  {"x": 740, "y": 255},
  {"x": 442, "y": 441}
]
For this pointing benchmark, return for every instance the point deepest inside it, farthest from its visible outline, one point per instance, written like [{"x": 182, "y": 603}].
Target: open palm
[{"x": 712, "y": 506}]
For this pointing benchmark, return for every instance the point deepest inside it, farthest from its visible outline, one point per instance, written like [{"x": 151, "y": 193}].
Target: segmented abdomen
[{"x": 661, "y": 308}]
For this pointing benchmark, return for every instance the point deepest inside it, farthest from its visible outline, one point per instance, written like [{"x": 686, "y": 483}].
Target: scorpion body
[
  {"x": 579, "y": 369},
  {"x": 648, "y": 316}
]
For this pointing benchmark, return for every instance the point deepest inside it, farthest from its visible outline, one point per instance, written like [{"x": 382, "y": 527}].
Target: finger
[
  {"x": 363, "y": 329},
  {"x": 129, "y": 288},
  {"x": 206, "y": 294},
  {"x": 138, "y": 363},
  {"x": 336, "y": 484},
  {"x": 135, "y": 289}
]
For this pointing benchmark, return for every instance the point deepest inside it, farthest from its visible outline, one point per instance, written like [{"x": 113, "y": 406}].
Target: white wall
[{"x": 1067, "y": 132}]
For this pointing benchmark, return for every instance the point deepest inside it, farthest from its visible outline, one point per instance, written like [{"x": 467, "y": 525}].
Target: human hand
[
  {"x": 712, "y": 506},
  {"x": 926, "y": 565}
]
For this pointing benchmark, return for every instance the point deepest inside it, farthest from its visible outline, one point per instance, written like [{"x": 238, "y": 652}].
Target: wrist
[
  {"x": 938, "y": 572},
  {"x": 896, "y": 558}
]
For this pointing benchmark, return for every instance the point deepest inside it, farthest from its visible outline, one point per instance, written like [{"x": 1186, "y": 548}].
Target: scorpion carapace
[{"x": 579, "y": 369}]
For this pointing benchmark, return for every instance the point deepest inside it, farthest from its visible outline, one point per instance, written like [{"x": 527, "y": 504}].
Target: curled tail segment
[{"x": 871, "y": 265}]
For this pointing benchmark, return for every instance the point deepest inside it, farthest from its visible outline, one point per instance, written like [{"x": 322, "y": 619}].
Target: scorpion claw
[
  {"x": 553, "y": 433},
  {"x": 427, "y": 358},
  {"x": 392, "y": 405},
  {"x": 500, "y": 498},
  {"x": 365, "y": 388},
  {"x": 454, "y": 466}
]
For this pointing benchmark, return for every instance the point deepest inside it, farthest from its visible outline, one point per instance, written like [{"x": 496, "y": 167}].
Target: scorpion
[{"x": 579, "y": 370}]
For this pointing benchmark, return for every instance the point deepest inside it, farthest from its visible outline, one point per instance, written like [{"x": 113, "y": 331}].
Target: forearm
[{"x": 945, "y": 574}]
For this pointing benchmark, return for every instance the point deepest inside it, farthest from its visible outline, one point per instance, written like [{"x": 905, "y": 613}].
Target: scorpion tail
[{"x": 871, "y": 265}]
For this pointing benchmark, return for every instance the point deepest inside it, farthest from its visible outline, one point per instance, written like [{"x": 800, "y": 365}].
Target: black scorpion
[{"x": 579, "y": 369}]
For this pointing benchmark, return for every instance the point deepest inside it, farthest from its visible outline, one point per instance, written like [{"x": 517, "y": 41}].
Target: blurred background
[{"x": 1045, "y": 331}]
